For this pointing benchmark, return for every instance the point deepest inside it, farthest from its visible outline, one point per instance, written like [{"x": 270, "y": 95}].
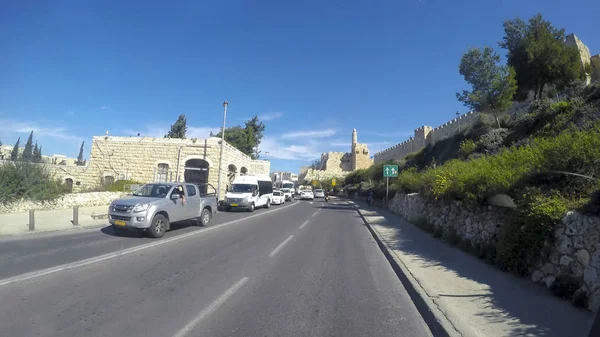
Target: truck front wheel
[{"x": 158, "y": 227}]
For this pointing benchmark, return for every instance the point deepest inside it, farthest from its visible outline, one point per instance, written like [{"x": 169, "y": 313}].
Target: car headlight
[
  {"x": 141, "y": 208},
  {"x": 246, "y": 199}
]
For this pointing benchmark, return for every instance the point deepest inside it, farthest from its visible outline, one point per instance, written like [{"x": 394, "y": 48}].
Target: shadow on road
[
  {"x": 525, "y": 307},
  {"x": 138, "y": 233}
]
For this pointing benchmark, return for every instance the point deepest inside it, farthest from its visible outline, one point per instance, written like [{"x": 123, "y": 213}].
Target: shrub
[
  {"x": 119, "y": 185},
  {"x": 492, "y": 141},
  {"x": 423, "y": 223},
  {"x": 522, "y": 239},
  {"x": 25, "y": 180},
  {"x": 467, "y": 147}
]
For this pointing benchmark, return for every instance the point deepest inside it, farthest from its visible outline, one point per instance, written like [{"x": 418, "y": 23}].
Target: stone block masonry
[
  {"x": 574, "y": 252},
  {"x": 146, "y": 160},
  {"x": 426, "y": 135}
]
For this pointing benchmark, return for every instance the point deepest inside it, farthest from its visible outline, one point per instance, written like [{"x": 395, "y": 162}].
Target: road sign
[
  {"x": 390, "y": 171},
  {"x": 314, "y": 182},
  {"x": 333, "y": 182}
]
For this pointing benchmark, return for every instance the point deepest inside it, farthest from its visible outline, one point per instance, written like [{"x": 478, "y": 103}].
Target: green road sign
[{"x": 390, "y": 171}]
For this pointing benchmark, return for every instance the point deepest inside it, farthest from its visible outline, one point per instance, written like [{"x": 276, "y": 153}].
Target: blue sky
[{"x": 313, "y": 70}]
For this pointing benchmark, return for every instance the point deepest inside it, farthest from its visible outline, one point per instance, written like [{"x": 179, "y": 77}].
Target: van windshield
[
  {"x": 288, "y": 185},
  {"x": 242, "y": 188}
]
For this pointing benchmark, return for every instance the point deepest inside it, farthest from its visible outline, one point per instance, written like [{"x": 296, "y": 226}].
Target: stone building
[
  {"x": 144, "y": 159},
  {"x": 339, "y": 164},
  {"x": 280, "y": 175},
  {"x": 586, "y": 58}
]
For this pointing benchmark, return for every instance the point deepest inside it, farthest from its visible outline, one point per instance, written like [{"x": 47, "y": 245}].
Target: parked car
[
  {"x": 307, "y": 195},
  {"x": 153, "y": 207},
  {"x": 249, "y": 192},
  {"x": 319, "y": 193},
  {"x": 278, "y": 198}
]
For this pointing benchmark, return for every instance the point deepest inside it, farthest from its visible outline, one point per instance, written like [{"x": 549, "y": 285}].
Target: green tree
[
  {"x": 537, "y": 52},
  {"x": 255, "y": 129},
  {"x": 34, "y": 157},
  {"x": 80, "y": 161},
  {"x": 28, "y": 150},
  {"x": 14, "y": 154},
  {"x": 246, "y": 139},
  {"x": 493, "y": 85},
  {"x": 178, "y": 129},
  {"x": 39, "y": 155}
]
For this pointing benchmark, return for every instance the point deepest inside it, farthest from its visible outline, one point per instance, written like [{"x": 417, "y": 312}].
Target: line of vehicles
[{"x": 155, "y": 206}]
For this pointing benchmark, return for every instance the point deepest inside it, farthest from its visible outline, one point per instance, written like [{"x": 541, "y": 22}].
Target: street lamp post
[{"x": 225, "y": 104}]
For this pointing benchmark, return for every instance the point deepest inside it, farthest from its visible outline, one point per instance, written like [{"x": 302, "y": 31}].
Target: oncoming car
[{"x": 307, "y": 195}]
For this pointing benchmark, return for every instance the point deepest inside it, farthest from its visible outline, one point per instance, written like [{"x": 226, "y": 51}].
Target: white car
[
  {"x": 307, "y": 195},
  {"x": 319, "y": 194},
  {"x": 278, "y": 198}
]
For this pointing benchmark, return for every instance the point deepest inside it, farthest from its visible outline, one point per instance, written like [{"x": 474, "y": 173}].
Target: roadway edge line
[
  {"x": 211, "y": 308},
  {"x": 439, "y": 324},
  {"x": 122, "y": 252}
]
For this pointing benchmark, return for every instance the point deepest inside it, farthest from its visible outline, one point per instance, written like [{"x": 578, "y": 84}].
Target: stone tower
[{"x": 360, "y": 154}]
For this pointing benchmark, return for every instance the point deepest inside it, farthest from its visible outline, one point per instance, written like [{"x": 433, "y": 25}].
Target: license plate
[
  {"x": 234, "y": 205},
  {"x": 120, "y": 222}
]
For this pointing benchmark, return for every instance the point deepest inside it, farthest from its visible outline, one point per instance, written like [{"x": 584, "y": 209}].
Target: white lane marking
[
  {"x": 315, "y": 213},
  {"x": 76, "y": 264},
  {"x": 311, "y": 202},
  {"x": 281, "y": 245},
  {"x": 211, "y": 308},
  {"x": 304, "y": 224}
]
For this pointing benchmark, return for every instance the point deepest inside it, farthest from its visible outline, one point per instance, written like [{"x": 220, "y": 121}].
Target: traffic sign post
[
  {"x": 333, "y": 182},
  {"x": 389, "y": 171}
]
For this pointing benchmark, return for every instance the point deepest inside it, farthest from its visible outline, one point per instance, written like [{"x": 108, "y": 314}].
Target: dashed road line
[
  {"x": 280, "y": 245},
  {"x": 211, "y": 308}
]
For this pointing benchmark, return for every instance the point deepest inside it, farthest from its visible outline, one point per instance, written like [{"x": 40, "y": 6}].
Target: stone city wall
[
  {"x": 574, "y": 252},
  {"x": 427, "y": 135}
]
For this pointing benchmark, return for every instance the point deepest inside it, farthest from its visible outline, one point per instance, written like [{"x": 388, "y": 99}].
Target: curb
[{"x": 435, "y": 319}]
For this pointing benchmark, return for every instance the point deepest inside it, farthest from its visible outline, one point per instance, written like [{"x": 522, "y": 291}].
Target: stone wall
[
  {"x": 426, "y": 135},
  {"x": 64, "y": 202},
  {"x": 595, "y": 65},
  {"x": 336, "y": 162},
  {"x": 360, "y": 157},
  {"x": 310, "y": 174},
  {"x": 139, "y": 158},
  {"x": 574, "y": 253}
]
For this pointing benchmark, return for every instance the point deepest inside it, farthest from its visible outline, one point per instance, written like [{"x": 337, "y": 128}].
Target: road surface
[{"x": 302, "y": 269}]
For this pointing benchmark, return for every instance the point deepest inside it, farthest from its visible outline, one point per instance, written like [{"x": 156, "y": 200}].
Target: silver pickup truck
[{"x": 153, "y": 207}]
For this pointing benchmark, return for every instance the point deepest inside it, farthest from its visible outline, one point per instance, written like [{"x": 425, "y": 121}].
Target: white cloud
[
  {"x": 275, "y": 148},
  {"x": 104, "y": 107},
  {"x": 309, "y": 134},
  {"x": 7, "y": 126},
  {"x": 270, "y": 116}
]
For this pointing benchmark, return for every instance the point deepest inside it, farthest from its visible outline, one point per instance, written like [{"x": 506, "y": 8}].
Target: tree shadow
[{"x": 524, "y": 308}]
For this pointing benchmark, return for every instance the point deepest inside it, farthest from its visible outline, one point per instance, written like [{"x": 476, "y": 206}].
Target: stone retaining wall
[
  {"x": 64, "y": 202},
  {"x": 574, "y": 253}
]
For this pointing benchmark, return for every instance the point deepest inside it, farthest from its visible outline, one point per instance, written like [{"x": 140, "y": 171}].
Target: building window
[
  {"x": 162, "y": 175},
  {"x": 109, "y": 180}
]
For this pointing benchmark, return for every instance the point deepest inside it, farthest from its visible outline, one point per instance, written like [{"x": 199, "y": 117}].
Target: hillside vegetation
[{"x": 546, "y": 157}]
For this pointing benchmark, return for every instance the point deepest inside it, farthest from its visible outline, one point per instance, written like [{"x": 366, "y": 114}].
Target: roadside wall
[
  {"x": 64, "y": 202},
  {"x": 574, "y": 252}
]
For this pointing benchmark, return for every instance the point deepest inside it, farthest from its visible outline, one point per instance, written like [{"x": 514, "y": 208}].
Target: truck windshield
[
  {"x": 288, "y": 185},
  {"x": 241, "y": 188},
  {"x": 152, "y": 191}
]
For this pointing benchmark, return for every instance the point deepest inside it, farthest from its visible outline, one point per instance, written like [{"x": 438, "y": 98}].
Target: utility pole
[{"x": 225, "y": 104}]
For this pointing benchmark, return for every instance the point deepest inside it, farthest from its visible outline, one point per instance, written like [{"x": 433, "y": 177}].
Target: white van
[{"x": 249, "y": 192}]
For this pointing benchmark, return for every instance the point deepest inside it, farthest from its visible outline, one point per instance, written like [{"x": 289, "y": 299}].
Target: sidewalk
[
  {"x": 52, "y": 220},
  {"x": 466, "y": 296}
]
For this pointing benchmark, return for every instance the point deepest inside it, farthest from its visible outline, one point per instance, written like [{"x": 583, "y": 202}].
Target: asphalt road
[{"x": 309, "y": 269}]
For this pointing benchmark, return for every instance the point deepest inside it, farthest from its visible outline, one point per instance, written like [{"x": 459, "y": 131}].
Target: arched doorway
[
  {"x": 232, "y": 171},
  {"x": 243, "y": 170},
  {"x": 196, "y": 171},
  {"x": 69, "y": 184}
]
